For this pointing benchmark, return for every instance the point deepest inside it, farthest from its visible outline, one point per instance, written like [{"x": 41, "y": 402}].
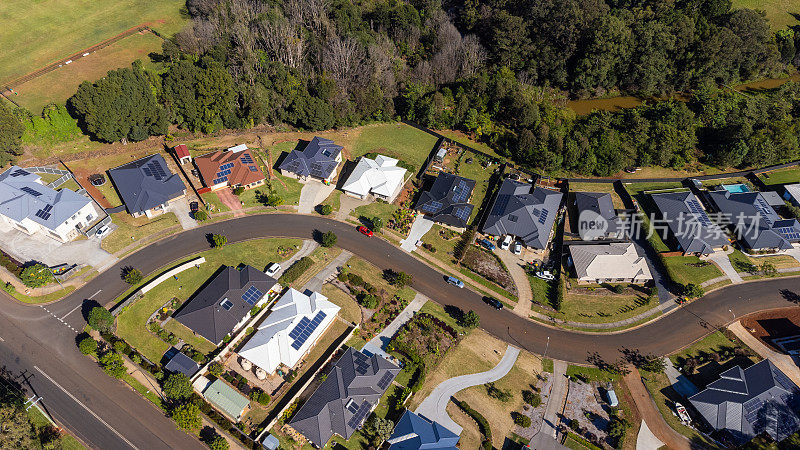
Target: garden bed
[{"x": 489, "y": 266}]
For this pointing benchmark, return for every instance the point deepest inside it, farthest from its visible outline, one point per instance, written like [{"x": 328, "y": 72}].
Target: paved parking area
[
  {"x": 51, "y": 252},
  {"x": 724, "y": 263},
  {"x": 181, "y": 209},
  {"x": 312, "y": 194}
]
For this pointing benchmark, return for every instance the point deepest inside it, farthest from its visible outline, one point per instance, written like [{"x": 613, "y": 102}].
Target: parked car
[
  {"x": 486, "y": 243},
  {"x": 455, "y": 281},
  {"x": 611, "y": 396},
  {"x": 365, "y": 231},
  {"x": 103, "y": 230},
  {"x": 194, "y": 207},
  {"x": 493, "y": 302},
  {"x": 272, "y": 269},
  {"x": 506, "y": 242},
  {"x": 545, "y": 275},
  {"x": 517, "y": 248}
]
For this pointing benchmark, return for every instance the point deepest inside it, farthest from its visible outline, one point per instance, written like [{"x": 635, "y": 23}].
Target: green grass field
[
  {"x": 688, "y": 269},
  {"x": 396, "y": 140},
  {"x": 783, "y": 176},
  {"x": 41, "y": 32},
  {"x": 779, "y": 12}
]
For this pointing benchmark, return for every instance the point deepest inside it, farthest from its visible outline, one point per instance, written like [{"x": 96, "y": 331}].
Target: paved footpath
[
  {"x": 315, "y": 283},
  {"x": 784, "y": 362},
  {"x": 555, "y": 402},
  {"x": 434, "y": 407},
  {"x": 377, "y": 344}
]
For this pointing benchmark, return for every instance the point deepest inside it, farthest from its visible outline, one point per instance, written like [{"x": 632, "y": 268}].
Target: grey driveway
[
  {"x": 181, "y": 209},
  {"x": 434, "y": 407},
  {"x": 51, "y": 252},
  {"x": 347, "y": 204},
  {"x": 418, "y": 229},
  {"x": 312, "y": 194},
  {"x": 724, "y": 263},
  {"x": 682, "y": 385},
  {"x": 377, "y": 344},
  {"x": 315, "y": 283}
]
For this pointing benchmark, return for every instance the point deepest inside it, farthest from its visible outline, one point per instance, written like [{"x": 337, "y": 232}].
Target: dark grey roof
[
  {"x": 342, "y": 402},
  {"x": 756, "y": 222},
  {"x": 689, "y": 223},
  {"x": 204, "y": 313},
  {"x": 601, "y": 204},
  {"x": 180, "y": 363},
  {"x": 146, "y": 183},
  {"x": 751, "y": 401},
  {"x": 447, "y": 201},
  {"x": 416, "y": 432},
  {"x": 318, "y": 159},
  {"x": 523, "y": 211}
]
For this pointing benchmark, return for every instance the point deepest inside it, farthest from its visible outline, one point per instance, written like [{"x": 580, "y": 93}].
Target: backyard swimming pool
[{"x": 736, "y": 188}]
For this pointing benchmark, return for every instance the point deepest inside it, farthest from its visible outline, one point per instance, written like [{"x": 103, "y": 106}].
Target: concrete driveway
[
  {"x": 434, "y": 407},
  {"x": 180, "y": 208},
  {"x": 377, "y": 344},
  {"x": 418, "y": 229},
  {"x": 347, "y": 204},
  {"x": 794, "y": 253},
  {"x": 724, "y": 263},
  {"x": 312, "y": 194},
  {"x": 51, "y": 252},
  {"x": 524, "y": 294}
]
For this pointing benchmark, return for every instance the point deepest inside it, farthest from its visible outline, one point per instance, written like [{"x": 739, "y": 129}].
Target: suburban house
[
  {"x": 748, "y": 402},
  {"x": 791, "y": 193},
  {"x": 180, "y": 363},
  {"x": 447, "y": 201},
  {"x": 596, "y": 209},
  {"x": 182, "y": 153},
  {"x": 290, "y": 331},
  {"x": 609, "y": 263},
  {"x": 756, "y": 223},
  {"x": 380, "y": 177},
  {"x": 224, "y": 304},
  {"x": 320, "y": 160},
  {"x": 415, "y": 432},
  {"x": 345, "y": 398},
  {"x": 690, "y": 229},
  {"x": 146, "y": 185},
  {"x": 524, "y": 212},
  {"x": 30, "y": 206},
  {"x": 226, "y": 399},
  {"x": 233, "y": 167}
]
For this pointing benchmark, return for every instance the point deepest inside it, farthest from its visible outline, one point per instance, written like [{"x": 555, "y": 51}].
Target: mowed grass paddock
[{"x": 38, "y": 33}]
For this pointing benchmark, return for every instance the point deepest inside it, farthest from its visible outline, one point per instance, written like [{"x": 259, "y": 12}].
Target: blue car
[
  {"x": 455, "y": 282},
  {"x": 486, "y": 243}
]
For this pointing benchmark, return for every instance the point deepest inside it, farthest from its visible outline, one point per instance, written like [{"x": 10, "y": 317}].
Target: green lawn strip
[
  {"x": 322, "y": 257},
  {"x": 596, "y": 330},
  {"x": 199, "y": 343},
  {"x": 665, "y": 397},
  {"x": 636, "y": 188},
  {"x": 71, "y": 184},
  {"x": 396, "y": 140},
  {"x": 334, "y": 200},
  {"x": 739, "y": 260},
  {"x": 547, "y": 365},
  {"x": 575, "y": 442},
  {"x": 655, "y": 239},
  {"x": 51, "y": 297},
  {"x": 131, "y": 322},
  {"x": 67, "y": 441},
  {"x": 350, "y": 311},
  {"x": 380, "y": 209},
  {"x": 784, "y": 176},
  {"x": 213, "y": 199},
  {"x": 143, "y": 390},
  {"x": 130, "y": 229},
  {"x": 459, "y": 137},
  {"x": 437, "y": 311},
  {"x": 602, "y": 309},
  {"x": 542, "y": 291},
  {"x": 681, "y": 269},
  {"x": 374, "y": 276},
  {"x": 590, "y": 374},
  {"x": 507, "y": 296}
]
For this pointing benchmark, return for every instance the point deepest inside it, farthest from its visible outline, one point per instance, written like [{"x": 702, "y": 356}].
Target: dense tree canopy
[{"x": 11, "y": 130}]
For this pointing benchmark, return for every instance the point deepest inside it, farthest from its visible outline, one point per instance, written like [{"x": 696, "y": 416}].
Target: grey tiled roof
[
  {"x": 146, "y": 183},
  {"x": 416, "y": 432},
  {"x": 689, "y": 223},
  {"x": 22, "y": 197},
  {"x": 601, "y": 204},
  {"x": 180, "y": 363},
  {"x": 760, "y": 227},
  {"x": 751, "y": 401},
  {"x": 447, "y": 201},
  {"x": 525, "y": 212},
  {"x": 318, "y": 159},
  {"x": 340, "y": 404},
  {"x": 204, "y": 313}
]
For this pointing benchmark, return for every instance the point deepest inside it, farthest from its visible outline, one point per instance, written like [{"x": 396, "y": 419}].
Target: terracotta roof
[
  {"x": 182, "y": 151},
  {"x": 241, "y": 173}
]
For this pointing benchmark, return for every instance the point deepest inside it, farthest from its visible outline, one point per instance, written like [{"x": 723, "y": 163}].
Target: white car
[
  {"x": 505, "y": 243},
  {"x": 272, "y": 269},
  {"x": 517, "y": 248},
  {"x": 103, "y": 230},
  {"x": 545, "y": 275}
]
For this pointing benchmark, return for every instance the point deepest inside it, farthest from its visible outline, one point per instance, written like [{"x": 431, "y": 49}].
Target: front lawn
[
  {"x": 350, "y": 311},
  {"x": 396, "y": 140},
  {"x": 690, "y": 269},
  {"x": 602, "y": 307},
  {"x": 379, "y": 209},
  {"x": 789, "y": 175},
  {"x": 712, "y": 355},
  {"x": 131, "y": 323},
  {"x": 133, "y": 229}
]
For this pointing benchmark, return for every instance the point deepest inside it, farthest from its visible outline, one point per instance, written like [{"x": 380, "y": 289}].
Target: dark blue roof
[
  {"x": 146, "y": 183},
  {"x": 415, "y": 432},
  {"x": 180, "y": 363},
  {"x": 318, "y": 159}
]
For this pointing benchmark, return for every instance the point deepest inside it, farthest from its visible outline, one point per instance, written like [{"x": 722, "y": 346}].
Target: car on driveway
[
  {"x": 506, "y": 242},
  {"x": 493, "y": 302},
  {"x": 272, "y": 269},
  {"x": 194, "y": 207},
  {"x": 516, "y": 248},
  {"x": 455, "y": 281},
  {"x": 486, "y": 243},
  {"x": 545, "y": 275},
  {"x": 365, "y": 231}
]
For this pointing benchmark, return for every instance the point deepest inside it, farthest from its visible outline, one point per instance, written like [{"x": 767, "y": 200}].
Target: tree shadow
[
  {"x": 87, "y": 306},
  {"x": 454, "y": 312}
]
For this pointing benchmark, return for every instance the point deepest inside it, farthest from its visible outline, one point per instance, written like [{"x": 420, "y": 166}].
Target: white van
[{"x": 506, "y": 242}]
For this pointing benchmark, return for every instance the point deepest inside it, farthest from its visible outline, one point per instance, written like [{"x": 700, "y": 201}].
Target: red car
[{"x": 365, "y": 231}]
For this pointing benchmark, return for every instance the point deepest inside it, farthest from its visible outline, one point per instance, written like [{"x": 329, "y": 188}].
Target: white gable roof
[
  {"x": 272, "y": 345},
  {"x": 379, "y": 176},
  {"x": 608, "y": 261}
]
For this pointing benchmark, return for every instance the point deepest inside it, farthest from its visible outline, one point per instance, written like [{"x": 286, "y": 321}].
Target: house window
[
  {"x": 89, "y": 217},
  {"x": 226, "y": 304}
]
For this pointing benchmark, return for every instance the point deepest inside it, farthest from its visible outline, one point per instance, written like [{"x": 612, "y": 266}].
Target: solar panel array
[
  {"x": 304, "y": 329},
  {"x": 227, "y": 304},
  {"x": 462, "y": 213},
  {"x": 383, "y": 383},
  {"x": 699, "y": 212},
  {"x": 252, "y": 295},
  {"x": 764, "y": 209},
  {"x": 253, "y": 168},
  {"x": 362, "y": 363},
  {"x": 783, "y": 380},
  {"x": 222, "y": 175},
  {"x": 461, "y": 192},
  {"x": 500, "y": 205},
  {"x": 789, "y": 233},
  {"x": 18, "y": 173},
  {"x": 352, "y": 406},
  {"x": 154, "y": 169},
  {"x": 44, "y": 213},
  {"x": 246, "y": 159},
  {"x": 543, "y": 216},
  {"x": 432, "y": 206},
  {"x": 30, "y": 191},
  {"x": 358, "y": 418},
  {"x": 751, "y": 408}
]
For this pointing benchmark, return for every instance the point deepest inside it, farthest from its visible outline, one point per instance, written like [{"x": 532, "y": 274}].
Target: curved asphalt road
[{"x": 32, "y": 335}]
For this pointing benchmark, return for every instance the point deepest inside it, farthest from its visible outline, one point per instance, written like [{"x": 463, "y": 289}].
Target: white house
[
  {"x": 290, "y": 330},
  {"x": 28, "y": 205},
  {"x": 609, "y": 263},
  {"x": 380, "y": 177}
]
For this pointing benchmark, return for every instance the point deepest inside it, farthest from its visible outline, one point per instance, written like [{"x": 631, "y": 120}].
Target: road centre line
[
  {"x": 71, "y": 311},
  {"x": 85, "y": 407}
]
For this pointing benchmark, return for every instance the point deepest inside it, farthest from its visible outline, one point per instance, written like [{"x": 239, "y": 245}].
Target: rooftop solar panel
[
  {"x": 252, "y": 295},
  {"x": 461, "y": 192},
  {"x": 30, "y": 191},
  {"x": 383, "y": 383},
  {"x": 432, "y": 206},
  {"x": 19, "y": 173}
]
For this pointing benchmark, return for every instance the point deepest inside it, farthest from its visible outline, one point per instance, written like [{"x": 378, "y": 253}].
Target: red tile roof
[
  {"x": 182, "y": 151},
  {"x": 241, "y": 173}
]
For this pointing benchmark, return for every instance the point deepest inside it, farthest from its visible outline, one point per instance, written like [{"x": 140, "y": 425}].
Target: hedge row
[
  {"x": 483, "y": 424},
  {"x": 296, "y": 270}
]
